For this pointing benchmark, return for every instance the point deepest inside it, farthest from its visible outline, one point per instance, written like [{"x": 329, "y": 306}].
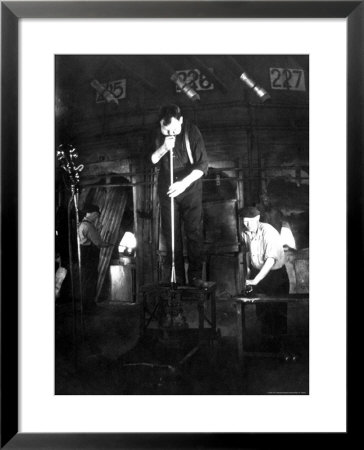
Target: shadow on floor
[{"x": 112, "y": 359}]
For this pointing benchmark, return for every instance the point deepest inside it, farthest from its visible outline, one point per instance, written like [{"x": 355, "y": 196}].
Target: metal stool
[{"x": 157, "y": 298}]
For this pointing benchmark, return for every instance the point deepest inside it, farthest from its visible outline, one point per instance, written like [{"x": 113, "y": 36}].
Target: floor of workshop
[{"x": 111, "y": 359}]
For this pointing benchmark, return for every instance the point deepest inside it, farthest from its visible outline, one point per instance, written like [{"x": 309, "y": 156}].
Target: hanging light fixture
[
  {"x": 261, "y": 92},
  {"x": 185, "y": 87},
  {"x": 107, "y": 95}
]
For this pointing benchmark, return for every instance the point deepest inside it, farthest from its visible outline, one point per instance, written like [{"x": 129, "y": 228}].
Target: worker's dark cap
[
  {"x": 249, "y": 212},
  {"x": 90, "y": 208}
]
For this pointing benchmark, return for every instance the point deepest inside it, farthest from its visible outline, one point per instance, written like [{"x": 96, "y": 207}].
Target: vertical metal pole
[
  {"x": 173, "y": 272},
  {"x": 75, "y": 199},
  {"x": 74, "y": 322}
]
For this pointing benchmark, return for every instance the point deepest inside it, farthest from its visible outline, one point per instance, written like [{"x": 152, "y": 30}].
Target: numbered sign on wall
[
  {"x": 117, "y": 88},
  {"x": 287, "y": 79},
  {"x": 195, "y": 79}
]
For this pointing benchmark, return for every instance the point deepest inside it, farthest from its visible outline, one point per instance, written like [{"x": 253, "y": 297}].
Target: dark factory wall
[{"x": 254, "y": 148}]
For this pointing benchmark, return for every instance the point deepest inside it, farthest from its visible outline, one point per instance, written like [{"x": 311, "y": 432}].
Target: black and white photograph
[
  {"x": 182, "y": 224},
  {"x": 193, "y": 170}
]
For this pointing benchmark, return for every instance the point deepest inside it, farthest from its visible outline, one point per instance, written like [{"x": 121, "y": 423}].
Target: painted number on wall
[
  {"x": 117, "y": 88},
  {"x": 195, "y": 79},
  {"x": 287, "y": 79}
]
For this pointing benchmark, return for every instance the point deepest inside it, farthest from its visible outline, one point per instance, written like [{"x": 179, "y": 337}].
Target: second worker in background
[{"x": 267, "y": 273}]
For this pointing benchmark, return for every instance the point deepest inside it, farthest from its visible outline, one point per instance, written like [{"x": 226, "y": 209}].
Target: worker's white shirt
[
  {"x": 265, "y": 243},
  {"x": 88, "y": 233}
]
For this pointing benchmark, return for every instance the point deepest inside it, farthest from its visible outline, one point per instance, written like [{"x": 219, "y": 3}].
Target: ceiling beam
[
  {"x": 209, "y": 74},
  {"x": 121, "y": 63}
]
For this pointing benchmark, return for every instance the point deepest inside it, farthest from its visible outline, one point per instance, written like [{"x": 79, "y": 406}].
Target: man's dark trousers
[
  {"x": 188, "y": 210},
  {"x": 273, "y": 317},
  {"x": 89, "y": 269}
]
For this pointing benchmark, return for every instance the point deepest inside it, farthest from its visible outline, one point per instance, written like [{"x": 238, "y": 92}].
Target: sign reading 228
[
  {"x": 287, "y": 79},
  {"x": 195, "y": 79}
]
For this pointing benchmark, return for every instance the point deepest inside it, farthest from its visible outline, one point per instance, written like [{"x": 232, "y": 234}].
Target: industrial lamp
[
  {"x": 107, "y": 95},
  {"x": 185, "y": 88},
  {"x": 261, "y": 92},
  {"x": 127, "y": 243}
]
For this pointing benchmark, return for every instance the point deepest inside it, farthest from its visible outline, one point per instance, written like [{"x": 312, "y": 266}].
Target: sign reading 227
[{"x": 287, "y": 79}]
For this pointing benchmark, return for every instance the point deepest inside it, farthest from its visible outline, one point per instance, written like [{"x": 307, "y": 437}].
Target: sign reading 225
[
  {"x": 117, "y": 88},
  {"x": 287, "y": 79}
]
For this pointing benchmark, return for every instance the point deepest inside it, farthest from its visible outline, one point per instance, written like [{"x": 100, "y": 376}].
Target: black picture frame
[{"x": 11, "y": 12}]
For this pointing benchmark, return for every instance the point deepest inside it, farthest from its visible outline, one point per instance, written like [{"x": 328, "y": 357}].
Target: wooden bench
[{"x": 242, "y": 302}]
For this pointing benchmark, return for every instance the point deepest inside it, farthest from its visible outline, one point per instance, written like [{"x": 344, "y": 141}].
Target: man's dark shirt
[{"x": 181, "y": 162}]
